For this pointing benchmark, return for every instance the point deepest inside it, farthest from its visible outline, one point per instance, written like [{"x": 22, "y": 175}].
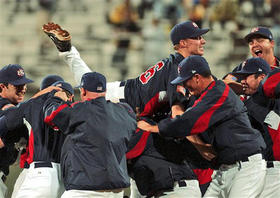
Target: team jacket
[
  {"x": 140, "y": 91},
  {"x": 44, "y": 143},
  {"x": 263, "y": 110},
  {"x": 161, "y": 162},
  {"x": 93, "y": 154},
  {"x": 8, "y": 154},
  {"x": 223, "y": 114}
]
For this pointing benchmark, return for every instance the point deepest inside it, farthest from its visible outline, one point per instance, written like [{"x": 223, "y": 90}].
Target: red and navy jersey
[
  {"x": 219, "y": 111},
  {"x": 264, "y": 110},
  {"x": 142, "y": 90},
  {"x": 44, "y": 143}
]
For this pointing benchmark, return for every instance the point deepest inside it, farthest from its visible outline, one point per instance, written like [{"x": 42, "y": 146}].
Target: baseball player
[
  {"x": 261, "y": 44},
  {"x": 46, "y": 82},
  {"x": 97, "y": 133},
  {"x": 261, "y": 84},
  {"x": 240, "y": 164},
  {"x": 12, "y": 90},
  {"x": 152, "y": 84},
  {"x": 147, "y": 92},
  {"x": 43, "y": 176}
]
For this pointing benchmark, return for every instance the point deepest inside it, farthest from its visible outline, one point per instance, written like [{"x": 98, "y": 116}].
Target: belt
[
  {"x": 118, "y": 190},
  {"x": 182, "y": 183},
  {"x": 252, "y": 157},
  {"x": 38, "y": 165},
  {"x": 273, "y": 164}
]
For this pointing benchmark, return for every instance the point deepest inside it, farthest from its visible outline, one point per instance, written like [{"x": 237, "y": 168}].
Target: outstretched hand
[
  {"x": 147, "y": 127},
  {"x": 46, "y": 90}
]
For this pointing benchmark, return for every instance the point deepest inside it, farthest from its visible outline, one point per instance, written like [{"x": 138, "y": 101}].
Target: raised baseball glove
[{"x": 61, "y": 38}]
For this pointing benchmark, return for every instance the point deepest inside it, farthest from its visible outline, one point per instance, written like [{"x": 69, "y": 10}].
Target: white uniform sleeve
[{"x": 77, "y": 66}]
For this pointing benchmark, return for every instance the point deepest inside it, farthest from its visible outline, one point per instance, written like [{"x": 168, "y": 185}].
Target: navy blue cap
[
  {"x": 49, "y": 80},
  {"x": 13, "y": 74},
  {"x": 64, "y": 85},
  {"x": 184, "y": 30},
  {"x": 253, "y": 66},
  {"x": 93, "y": 81},
  {"x": 190, "y": 66},
  {"x": 259, "y": 31}
]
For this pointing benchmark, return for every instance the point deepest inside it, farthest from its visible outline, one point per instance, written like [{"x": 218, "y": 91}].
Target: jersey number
[{"x": 147, "y": 75}]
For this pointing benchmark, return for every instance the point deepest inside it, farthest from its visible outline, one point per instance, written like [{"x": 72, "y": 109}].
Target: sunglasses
[{"x": 196, "y": 38}]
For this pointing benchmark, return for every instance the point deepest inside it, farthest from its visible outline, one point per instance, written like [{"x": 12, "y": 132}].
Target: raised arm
[{"x": 62, "y": 40}]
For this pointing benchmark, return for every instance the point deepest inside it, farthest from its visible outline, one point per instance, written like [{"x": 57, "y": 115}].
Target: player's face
[
  {"x": 261, "y": 47},
  {"x": 14, "y": 93},
  {"x": 251, "y": 83},
  {"x": 195, "y": 45},
  {"x": 193, "y": 86}
]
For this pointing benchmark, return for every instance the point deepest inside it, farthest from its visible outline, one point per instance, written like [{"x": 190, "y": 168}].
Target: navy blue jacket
[
  {"x": 8, "y": 154},
  {"x": 93, "y": 154},
  {"x": 219, "y": 111}
]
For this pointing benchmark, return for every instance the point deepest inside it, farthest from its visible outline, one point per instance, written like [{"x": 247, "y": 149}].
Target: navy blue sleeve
[
  {"x": 205, "y": 113},
  {"x": 57, "y": 114},
  {"x": 3, "y": 126}
]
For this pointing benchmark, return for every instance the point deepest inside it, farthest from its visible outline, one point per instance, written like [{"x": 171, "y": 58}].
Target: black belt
[
  {"x": 182, "y": 183},
  {"x": 42, "y": 164},
  {"x": 269, "y": 164},
  {"x": 246, "y": 159}
]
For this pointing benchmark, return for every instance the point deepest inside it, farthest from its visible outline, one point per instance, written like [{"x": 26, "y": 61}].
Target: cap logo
[
  {"x": 195, "y": 25},
  {"x": 260, "y": 70},
  {"x": 20, "y": 72},
  {"x": 59, "y": 85},
  {"x": 193, "y": 71},
  {"x": 255, "y": 29},
  {"x": 99, "y": 88}
]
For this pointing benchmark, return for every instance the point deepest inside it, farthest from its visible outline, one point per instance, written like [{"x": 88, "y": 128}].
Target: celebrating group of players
[{"x": 196, "y": 135}]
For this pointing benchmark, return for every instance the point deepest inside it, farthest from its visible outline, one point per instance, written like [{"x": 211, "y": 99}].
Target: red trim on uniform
[
  {"x": 23, "y": 157},
  {"x": 139, "y": 147},
  {"x": 150, "y": 106},
  {"x": 275, "y": 137},
  {"x": 202, "y": 122},
  {"x": 74, "y": 103},
  {"x": 203, "y": 175},
  {"x": 270, "y": 85},
  {"x": 30, "y": 147},
  {"x": 49, "y": 118},
  {"x": 202, "y": 95}
]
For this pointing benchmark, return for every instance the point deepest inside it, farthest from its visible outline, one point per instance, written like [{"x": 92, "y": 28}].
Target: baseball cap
[
  {"x": 49, "y": 80},
  {"x": 186, "y": 30},
  {"x": 190, "y": 66},
  {"x": 253, "y": 66},
  {"x": 93, "y": 81},
  {"x": 261, "y": 31},
  {"x": 64, "y": 85},
  {"x": 13, "y": 74}
]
